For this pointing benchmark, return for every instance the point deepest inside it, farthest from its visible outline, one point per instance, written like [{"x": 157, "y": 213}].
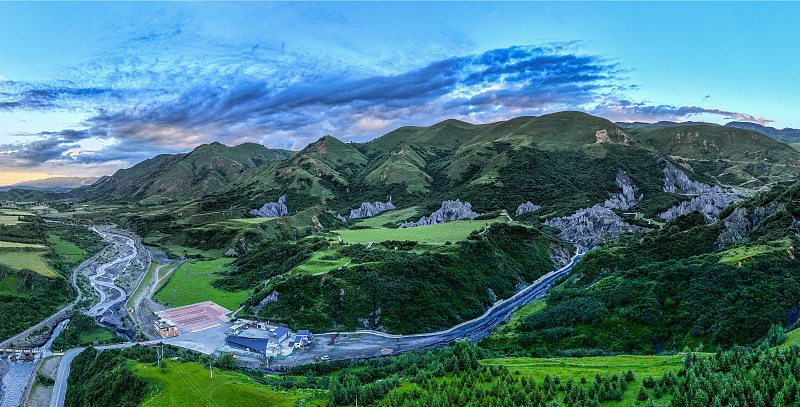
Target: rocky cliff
[
  {"x": 272, "y": 209},
  {"x": 676, "y": 180},
  {"x": 710, "y": 204},
  {"x": 368, "y": 209},
  {"x": 450, "y": 210},
  {"x": 590, "y": 226},
  {"x": 743, "y": 220},
  {"x": 627, "y": 198},
  {"x": 527, "y": 207}
]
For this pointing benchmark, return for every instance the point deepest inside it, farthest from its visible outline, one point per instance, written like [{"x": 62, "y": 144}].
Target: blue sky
[{"x": 87, "y": 88}]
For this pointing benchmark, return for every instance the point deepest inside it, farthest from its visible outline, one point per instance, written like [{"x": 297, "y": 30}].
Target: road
[{"x": 364, "y": 344}]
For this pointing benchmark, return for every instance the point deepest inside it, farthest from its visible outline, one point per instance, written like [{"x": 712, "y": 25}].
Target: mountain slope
[{"x": 207, "y": 168}]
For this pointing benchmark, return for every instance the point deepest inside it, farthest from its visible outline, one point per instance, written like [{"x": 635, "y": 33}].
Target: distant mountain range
[
  {"x": 786, "y": 135},
  {"x": 57, "y": 184}
]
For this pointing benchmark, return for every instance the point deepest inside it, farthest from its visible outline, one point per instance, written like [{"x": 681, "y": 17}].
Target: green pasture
[
  {"x": 397, "y": 215},
  {"x": 317, "y": 265},
  {"x": 31, "y": 260},
  {"x": 4, "y": 245},
  {"x": 191, "y": 283},
  {"x": 454, "y": 231},
  {"x": 64, "y": 249},
  {"x": 10, "y": 285},
  {"x": 508, "y": 331},
  {"x": 9, "y": 220},
  {"x": 190, "y": 385}
]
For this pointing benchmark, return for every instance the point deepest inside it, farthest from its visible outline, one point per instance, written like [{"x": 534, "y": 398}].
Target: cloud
[
  {"x": 627, "y": 110},
  {"x": 169, "y": 106}
]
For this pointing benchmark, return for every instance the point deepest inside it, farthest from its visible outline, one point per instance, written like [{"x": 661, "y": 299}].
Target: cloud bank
[{"x": 172, "y": 108}]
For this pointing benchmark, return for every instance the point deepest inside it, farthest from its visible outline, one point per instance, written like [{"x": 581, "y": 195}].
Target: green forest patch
[{"x": 191, "y": 283}]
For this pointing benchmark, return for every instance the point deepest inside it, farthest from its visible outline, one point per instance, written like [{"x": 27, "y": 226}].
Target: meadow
[
  {"x": 190, "y": 384},
  {"x": 26, "y": 259},
  {"x": 191, "y": 283},
  {"x": 454, "y": 231}
]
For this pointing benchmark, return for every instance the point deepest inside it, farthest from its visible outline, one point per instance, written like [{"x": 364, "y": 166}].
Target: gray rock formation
[
  {"x": 710, "y": 204},
  {"x": 527, "y": 207},
  {"x": 272, "y": 209},
  {"x": 450, "y": 210},
  {"x": 627, "y": 198},
  {"x": 743, "y": 220},
  {"x": 676, "y": 180},
  {"x": 368, "y": 210},
  {"x": 590, "y": 226}
]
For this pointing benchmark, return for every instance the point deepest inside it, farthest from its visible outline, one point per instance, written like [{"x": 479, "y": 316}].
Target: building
[
  {"x": 279, "y": 334},
  {"x": 166, "y": 328},
  {"x": 251, "y": 344},
  {"x": 305, "y": 335}
]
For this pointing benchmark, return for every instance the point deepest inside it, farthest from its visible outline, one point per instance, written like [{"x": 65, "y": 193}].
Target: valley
[{"x": 427, "y": 242}]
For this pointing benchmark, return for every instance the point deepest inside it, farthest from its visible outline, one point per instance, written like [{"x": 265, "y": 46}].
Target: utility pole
[{"x": 210, "y": 370}]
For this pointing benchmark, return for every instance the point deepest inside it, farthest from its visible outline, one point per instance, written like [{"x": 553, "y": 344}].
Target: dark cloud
[{"x": 52, "y": 146}]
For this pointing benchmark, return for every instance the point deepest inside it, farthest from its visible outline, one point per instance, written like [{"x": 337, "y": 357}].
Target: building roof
[
  {"x": 259, "y": 345},
  {"x": 280, "y": 331},
  {"x": 303, "y": 332},
  {"x": 164, "y": 323}
]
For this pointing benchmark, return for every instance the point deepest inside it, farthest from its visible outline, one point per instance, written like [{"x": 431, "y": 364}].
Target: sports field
[
  {"x": 191, "y": 385},
  {"x": 454, "y": 231}
]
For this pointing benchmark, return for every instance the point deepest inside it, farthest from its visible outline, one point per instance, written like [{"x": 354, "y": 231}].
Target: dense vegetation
[
  {"x": 104, "y": 379},
  {"x": 403, "y": 291},
  {"x": 83, "y": 330}
]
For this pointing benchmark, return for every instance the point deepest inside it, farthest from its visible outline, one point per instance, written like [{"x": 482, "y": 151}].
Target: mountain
[
  {"x": 663, "y": 123},
  {"x": 207, "y": 168},
  {"x": 53, "y": 184},
  {"x": 785, "y": 135}
]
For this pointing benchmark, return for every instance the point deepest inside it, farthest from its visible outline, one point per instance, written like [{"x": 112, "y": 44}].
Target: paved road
[{"x": 363, "y": 344}]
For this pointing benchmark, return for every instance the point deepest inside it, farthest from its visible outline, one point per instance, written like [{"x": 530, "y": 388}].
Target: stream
[{"x": 19, "y": 372}]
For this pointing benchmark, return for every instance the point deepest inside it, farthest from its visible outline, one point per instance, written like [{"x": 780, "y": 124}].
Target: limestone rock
[
  {"x": 368, "y": 209},
  {"x": 743, "y": 220},
  {"x": 676, "y": 180},
  {"x": 627, "y": 198},
  {"x": 450, "y": 210},
  {"x": 527, "y": 207},
  {"x": 710, "y": 204},
  {"x": 589, "y": 226},
  {"x": 272, "y": 209}
]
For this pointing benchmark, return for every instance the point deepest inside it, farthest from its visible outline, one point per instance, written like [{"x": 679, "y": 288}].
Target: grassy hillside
[{"x": 164, "y": 178}]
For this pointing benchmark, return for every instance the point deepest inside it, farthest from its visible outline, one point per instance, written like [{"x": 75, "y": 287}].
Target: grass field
[
  {"x": 22, "y": 245},
  {"x": 190, "y": 284},
  {"x": 9, "y": 220},
  {"x": 31, "y": 260},
  {"x": 449, "y": 231},
  {"x": 397, "y": 215},
  {"x": 66, "y": 250},
  {"x": 792, "y": 338},
  {"x": 190, "y": 385},
  {"x": 148, "y": 276},
  {"x": 316, "y": 265}
]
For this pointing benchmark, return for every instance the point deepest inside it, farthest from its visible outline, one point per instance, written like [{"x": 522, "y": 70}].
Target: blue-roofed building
[
  {"x": 279, "y": 334},
  {"x": 304, "y": 336},
  {"x": 251, "y": 344}
]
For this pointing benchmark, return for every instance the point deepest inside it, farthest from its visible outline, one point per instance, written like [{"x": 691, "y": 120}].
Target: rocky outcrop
[
  {"x": 272, "y": 209},
  {"x": 743, "y": 220},
  {"x": 676, "y": 180},
  {"x": 527, "y": 207},
  {"x": 450, "y": 210},
  {"x": 590, "y": 226},
  {"x": 368, "y": 210},
  {"x": 710, "y": 204},
  {"x": 627, "y": 198}
]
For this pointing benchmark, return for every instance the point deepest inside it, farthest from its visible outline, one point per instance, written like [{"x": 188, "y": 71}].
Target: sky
[{"x": 89, "y": 88}]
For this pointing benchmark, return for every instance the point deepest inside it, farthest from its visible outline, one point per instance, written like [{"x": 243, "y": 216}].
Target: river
[{"x": 19, "y": 372}]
